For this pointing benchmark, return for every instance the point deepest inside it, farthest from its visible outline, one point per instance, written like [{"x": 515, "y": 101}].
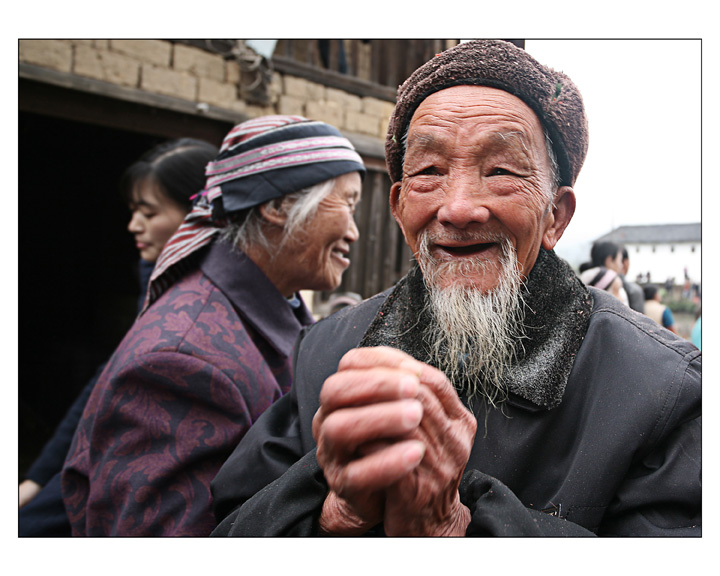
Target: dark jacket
[
  {"x": 195, "y": 371},
  {"x": 619, "y": 454}
]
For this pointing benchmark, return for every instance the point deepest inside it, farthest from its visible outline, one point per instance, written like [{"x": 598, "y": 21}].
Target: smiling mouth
[
  {"x": 342, "y": 255},
  {"x": 467, "y": 250}
]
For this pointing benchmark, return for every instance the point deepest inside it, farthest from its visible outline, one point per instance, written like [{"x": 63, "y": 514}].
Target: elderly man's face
[{"x": 476, "y": 169}]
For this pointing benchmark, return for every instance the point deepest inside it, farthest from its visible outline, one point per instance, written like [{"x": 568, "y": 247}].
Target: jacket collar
[
  {"x": 254, "y": 296},
  {"x": 556, "y": 320}
]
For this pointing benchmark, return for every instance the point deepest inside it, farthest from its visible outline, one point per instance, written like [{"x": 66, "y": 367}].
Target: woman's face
[
  {"x": 155, "y": 217},
  {"x": 322, "y": 254}
]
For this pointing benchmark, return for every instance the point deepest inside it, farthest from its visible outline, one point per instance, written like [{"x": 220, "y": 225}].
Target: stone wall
[{"x": 195, "y": 75}]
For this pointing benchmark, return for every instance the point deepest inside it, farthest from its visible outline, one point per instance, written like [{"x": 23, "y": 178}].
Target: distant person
[
  {"x": 656, "y": 310},
  {"x": 636, "y": 296},
  {"x": 609, "y": 255},
  {"x": 603, "y": 279},
  {"x": 158, "y": 189},
  {"x": 696, "y": 334},
  {"x": 212, "y": 348}
]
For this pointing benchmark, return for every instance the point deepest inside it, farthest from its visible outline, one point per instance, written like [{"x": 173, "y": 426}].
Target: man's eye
[
  {"x": 501, "y": 172},
  {"x": 429, "y": 171}
]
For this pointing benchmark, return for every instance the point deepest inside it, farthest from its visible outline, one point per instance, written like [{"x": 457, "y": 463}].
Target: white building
[{"x": 663, "y": 250}]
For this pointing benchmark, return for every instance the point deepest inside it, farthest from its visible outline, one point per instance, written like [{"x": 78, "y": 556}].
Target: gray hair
[{"x": 246, "y": 229}]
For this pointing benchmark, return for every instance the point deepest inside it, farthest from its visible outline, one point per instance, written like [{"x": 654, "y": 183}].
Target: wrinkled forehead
[
  {"x": 475, "y": 115},
  {"x": 472, "y": 103}
]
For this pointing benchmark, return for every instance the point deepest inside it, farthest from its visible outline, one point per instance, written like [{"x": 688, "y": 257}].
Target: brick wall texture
[{"x": 197, "y": 76}]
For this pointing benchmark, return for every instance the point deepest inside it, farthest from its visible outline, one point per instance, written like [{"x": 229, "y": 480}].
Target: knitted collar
[{"x": 557, "y": 316}]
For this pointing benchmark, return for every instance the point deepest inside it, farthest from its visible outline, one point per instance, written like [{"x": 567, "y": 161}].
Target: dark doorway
[{"x": 78, "y": 280}]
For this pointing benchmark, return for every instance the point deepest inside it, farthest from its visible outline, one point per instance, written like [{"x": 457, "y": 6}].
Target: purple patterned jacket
[{"x": 185, "y": 384}]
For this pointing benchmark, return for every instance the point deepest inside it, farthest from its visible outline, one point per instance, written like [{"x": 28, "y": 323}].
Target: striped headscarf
[{"x": 259, "y": 160}]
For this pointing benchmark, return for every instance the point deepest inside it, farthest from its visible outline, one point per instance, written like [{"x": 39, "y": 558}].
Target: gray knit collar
[{"x": 556, "y": 320}]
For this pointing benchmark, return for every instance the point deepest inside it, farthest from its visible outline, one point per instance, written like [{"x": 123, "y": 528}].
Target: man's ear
[
  {"x": 562, "y": 211},
  {"x": 395, "y": 206},
  {"x": 274, "y": 213}
]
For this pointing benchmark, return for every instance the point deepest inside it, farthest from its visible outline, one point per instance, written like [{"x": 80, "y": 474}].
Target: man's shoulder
[
  {"x": 637, "y": 346},
  {"x": 630, "y": 366},
  {"x": 622, "y": 322}
]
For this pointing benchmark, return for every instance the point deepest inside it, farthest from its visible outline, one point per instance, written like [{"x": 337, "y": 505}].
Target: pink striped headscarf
[{"x": 259, "y": 160}]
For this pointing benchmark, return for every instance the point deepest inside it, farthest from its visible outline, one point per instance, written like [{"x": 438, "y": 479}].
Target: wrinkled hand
[
  {"x": 426, "y": 502},
  {"x": 393, "y": 440}
]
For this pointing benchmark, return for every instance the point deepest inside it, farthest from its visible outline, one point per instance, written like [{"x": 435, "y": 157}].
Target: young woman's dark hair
[
  {"x": 178, "y": 166},
  {"x": 601, "y": 250}
]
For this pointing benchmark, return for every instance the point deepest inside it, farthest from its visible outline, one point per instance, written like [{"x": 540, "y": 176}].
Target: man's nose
[{"x": 466, "y": 201}]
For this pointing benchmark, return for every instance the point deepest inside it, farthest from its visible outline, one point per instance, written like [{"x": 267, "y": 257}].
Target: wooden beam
[{"x": 333, "y": 79}]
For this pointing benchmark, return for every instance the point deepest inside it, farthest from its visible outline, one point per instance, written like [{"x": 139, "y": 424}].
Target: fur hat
[{"x": 498, "y": 64}]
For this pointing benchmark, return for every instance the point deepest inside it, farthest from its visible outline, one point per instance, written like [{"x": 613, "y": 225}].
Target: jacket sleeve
[
  {"x": 288, "y": 506},
  {"x": 152, "y": 438},
  {"x": 268, "y": 450},
  {"x": 291, "y": 506},
  {"x": 496, "y": 511},
  {"x": 661, "y": 494}
]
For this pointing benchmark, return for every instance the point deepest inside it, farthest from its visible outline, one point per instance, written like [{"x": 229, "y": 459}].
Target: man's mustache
[{"x": 429, "y": 238}]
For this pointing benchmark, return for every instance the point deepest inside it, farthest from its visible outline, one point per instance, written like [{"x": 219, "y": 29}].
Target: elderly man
[{"x": 489, "y": 392}]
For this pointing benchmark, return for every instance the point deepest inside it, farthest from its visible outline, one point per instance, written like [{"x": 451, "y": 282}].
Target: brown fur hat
[{"x": 498, "y": 64}]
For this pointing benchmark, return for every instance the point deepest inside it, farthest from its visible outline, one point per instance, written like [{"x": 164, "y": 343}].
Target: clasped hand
[{"x": 393, "y": 440}]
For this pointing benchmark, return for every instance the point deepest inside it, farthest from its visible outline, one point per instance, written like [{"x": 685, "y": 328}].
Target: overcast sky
[{"x": 642, "y": 98}]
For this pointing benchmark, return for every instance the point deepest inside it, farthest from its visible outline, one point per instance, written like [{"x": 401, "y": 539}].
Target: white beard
[{"x": 475, "y": 336}]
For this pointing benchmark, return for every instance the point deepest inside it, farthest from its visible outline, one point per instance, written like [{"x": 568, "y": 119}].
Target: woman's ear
[
  {"x": 274, "y": 213},
  {"x": 562, "y": 211}
]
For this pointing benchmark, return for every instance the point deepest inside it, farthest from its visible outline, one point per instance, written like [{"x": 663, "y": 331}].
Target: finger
[
  {"x": 360, "y": 358},
  {"x": 371, "y": 357},
  {"x": 381, "y": 469},
  {"x": 440, "y": 386},
  {"x": 442, "y": 434},
  {"x": 367, "y": 386},
  {"x": 373, "y": 447},
  {"x": 346, "y": 429}
]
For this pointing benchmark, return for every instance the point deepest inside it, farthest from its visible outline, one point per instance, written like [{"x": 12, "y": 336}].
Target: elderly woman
[{"x": 211, "y": 349}]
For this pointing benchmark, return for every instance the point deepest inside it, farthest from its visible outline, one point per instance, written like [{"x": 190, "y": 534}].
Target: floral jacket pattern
[{"x": 186, "y": 383}]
